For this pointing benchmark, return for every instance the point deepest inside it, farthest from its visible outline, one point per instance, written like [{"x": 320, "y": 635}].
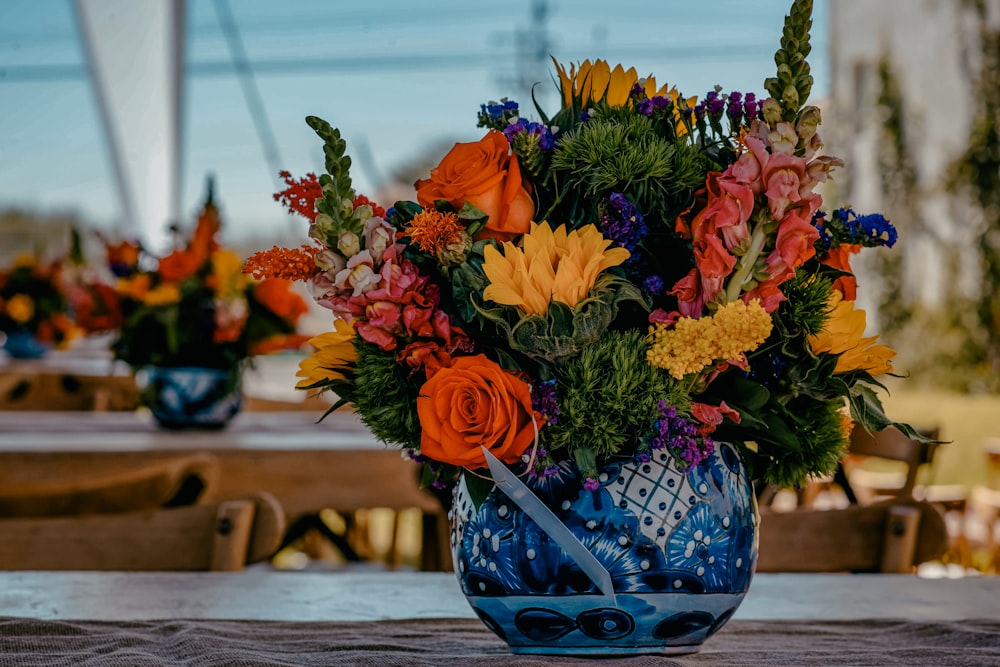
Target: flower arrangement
[
  {"x": 194, "y": 307},
  {"x": 93, "y": 301},
  {"x": 637, "y": 271},
  {"x": 32, "y": 301}
]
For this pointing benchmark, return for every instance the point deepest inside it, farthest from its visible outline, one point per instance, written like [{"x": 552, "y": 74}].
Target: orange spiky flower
[
  {"x": 286, "y": 263},
  {"x": 300, "y": 196},
  {"x": 433, "y": 231}
]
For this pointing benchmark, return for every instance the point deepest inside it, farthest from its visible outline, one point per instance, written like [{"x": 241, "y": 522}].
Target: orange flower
[
  {"x": 203, "y": 241},
  {"x": 486, "y": 175},
  {"x": 278, "y": 343},
  {"x": 124, "y": 255},
  {"x": 475, "y": 403},
  {"x": 433, "y": 231},
  {"x": 287, "y": 263},
  {"x": 179, "y": 264},
  {"x": 277, "y": 295},
  {"x": 839, "y": 258}
]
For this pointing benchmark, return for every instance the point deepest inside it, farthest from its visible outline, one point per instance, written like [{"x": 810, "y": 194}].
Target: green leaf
[{"x": 478, "y": 485}]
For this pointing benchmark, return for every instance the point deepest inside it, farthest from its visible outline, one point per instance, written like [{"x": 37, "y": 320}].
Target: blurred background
[{"x": 113, "y": 113}]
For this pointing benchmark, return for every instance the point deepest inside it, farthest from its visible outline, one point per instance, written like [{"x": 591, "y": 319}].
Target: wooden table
[
  {"x": 268, "y": 617},
  {"x": 307, "y": 466}
]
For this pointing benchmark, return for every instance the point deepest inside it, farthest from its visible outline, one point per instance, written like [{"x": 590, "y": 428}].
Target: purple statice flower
[
  {"x": 545, "y": 401},
  {"x": 638, "y": 92},
  {"x": 649, "y": 105},
  {"x": 734, "y": 106},
  {"x": 622, "y": 222},
  {"x": 750, "y": 106},
  {"x": 680, "y": 437},
  {"x": 715, "y": 103},
  {"x": 699, "y": 111},
  {"x": 591, "y": 484},
  {"x": 543, "y": 465}
]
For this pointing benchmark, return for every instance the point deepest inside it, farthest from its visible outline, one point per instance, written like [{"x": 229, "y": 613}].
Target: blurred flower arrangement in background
[
  {"x": 195, "y": 307},
  {"x": 639, "y": 271},
  {"x": 94, "y": 304},
  {"x": 32, "y": 302}
]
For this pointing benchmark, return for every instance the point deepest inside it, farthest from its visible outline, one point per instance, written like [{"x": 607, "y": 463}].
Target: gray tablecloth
[{"x": 438, "y": 642}]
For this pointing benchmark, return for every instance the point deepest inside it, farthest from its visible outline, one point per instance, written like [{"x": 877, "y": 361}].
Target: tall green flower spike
[
  {"x": 792, "y": 85},
  {"x": 336, "y": 207}
]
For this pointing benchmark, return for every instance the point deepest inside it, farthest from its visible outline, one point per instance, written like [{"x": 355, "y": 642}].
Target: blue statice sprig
[
  {"x": 537, "y": 133},
  {"x": 846, "y": 226},
  {"x": 498, "y": 115}
]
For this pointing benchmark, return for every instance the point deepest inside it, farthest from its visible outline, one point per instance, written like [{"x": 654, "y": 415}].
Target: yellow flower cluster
[
  {"x": 693, "y": 344},
  {"x": 843, "y": 334},
  {"x": 552, "y": 265}
]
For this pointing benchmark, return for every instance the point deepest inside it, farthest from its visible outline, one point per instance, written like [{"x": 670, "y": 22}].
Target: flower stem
[{"x": 746, "y": 263}]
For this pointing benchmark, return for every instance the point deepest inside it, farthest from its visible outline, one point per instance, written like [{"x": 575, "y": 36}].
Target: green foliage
[
  {"x": 336, "y": 207},
  {"x": 805, "y": 307},
  {"x": 608, "y": 396},
  {"x": 563, "y": 332},
  {"x": 386, "y": 396},
  {"x": 623, "y": 152},
  {"x": 793, "y": 82},
  {"x": 819, "y": 431}
]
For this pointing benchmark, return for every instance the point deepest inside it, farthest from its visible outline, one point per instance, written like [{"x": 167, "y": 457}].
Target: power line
[
  {"x": 355, "y": 64},
  {"x": 255, "y": 103}
]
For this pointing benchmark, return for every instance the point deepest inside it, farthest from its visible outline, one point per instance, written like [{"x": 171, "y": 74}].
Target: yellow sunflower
[
  {"x": 551, "y": 265},
  {"x": 334, "y": 349},
  {"x": 596, "y": 81},
  {"x": 843, "y": 334}
]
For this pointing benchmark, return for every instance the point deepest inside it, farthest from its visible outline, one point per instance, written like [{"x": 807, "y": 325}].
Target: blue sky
[{"x": 396, "y": 76}]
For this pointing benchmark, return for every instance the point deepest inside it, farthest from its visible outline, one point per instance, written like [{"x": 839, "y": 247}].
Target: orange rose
[
  {"x": 486, "y": 175},
  {"x": 475, "y": 403}
]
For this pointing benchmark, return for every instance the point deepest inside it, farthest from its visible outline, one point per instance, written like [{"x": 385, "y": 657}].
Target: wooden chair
[
  {"x": 890, "y": 538},
  {"x": 889, "y": 444},
  {"x": 985, "y": 505},
  {"x": 67, "y": 391},
  {"x": 226, "y": 535},
  {"x": 51, "y": 486}
]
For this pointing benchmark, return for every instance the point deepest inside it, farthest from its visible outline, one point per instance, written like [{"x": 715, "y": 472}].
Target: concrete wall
[{"x": 933, "y": 50}]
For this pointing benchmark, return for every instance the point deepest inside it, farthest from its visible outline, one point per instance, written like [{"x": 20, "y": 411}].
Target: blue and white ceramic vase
[
  {"x": 191, "y": 397},
  {"x": 667, "y": 556},
  {"x": 22, "y": 344}
]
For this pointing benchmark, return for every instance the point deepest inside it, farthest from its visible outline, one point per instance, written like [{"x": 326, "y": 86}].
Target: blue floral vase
[
  {"x": 191, "y": 397},
  {"x": 661, "y": 559},
  {"x": 22, "y": 344}
]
